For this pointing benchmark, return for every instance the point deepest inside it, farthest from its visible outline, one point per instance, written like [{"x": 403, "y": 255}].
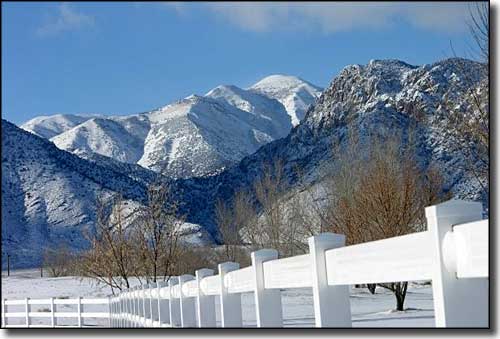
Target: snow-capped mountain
[
  {"x": 120, "y": 138},
  {"x": 269, "y": 113},
  {"x": 196, "y": 136},
  {"x": 45, "y": 188},
  {"x": 201, "y": 135},
  {"x": 295, "y": 94},
  {"x": 384, "y": 97},
  {"x": 51, "y": 125}
]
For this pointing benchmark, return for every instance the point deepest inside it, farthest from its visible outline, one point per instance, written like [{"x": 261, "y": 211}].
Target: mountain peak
[
  {"x": 295, "y": 94},
  {"x": 281, "y": 81}
]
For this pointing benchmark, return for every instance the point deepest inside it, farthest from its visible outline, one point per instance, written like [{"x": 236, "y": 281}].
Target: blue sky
[{"x": 122, "y": 58}]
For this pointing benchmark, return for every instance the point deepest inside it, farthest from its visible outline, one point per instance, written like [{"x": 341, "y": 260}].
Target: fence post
[
  {"x": 114, "y": 312},
  {"x": 149, "y": 305},
  {"x": 152, "y": 303},
  {"x": 174, "y": 303},
  {"x": 123, "y": 309},
  {"x": 123, "y": 302},
  {"x": 140, "y": 298},
  {"x": 205, "y": 304},
  {"x": 457, "y": 302},
  {"x": 163, "y": 304},
  {"x": 135, "y": 299},
  {"x": 134, "y": 306},
  {"x": 144, "y": 308},
  {"x": 130, "y": 307},
  {"x": 4, "y": 310},
  {"x": 128, "y": 313},
  {"x": 115, "y": 308},
  {"x": 332, "y": 307},
  {"x": 188, "y": 313},
  {"x": 52, "y": 313},
  {"x": 27, "y": 312},
  {"x": 230, "y": 304},
  {"x": 110, "y": 324},
  {"x": 80, "y": 322},
  {"x": 112, "y": 309},
  {"x": 267, "y": 302},
  {"x": 118, "y": 310},
  {"x": 158, "y": 302}
]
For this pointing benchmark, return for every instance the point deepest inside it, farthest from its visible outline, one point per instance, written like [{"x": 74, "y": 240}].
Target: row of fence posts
[
  {"x": 457, "y": 302},
  {"x": 200, "y": 311}
]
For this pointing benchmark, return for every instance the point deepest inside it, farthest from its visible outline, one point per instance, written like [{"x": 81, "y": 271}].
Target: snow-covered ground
[{"x": 367, "y": 310}]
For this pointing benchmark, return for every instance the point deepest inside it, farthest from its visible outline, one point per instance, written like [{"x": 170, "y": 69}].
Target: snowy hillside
[
  {"x": 48, "y": 195},
  {"x": 268, "y": 112},
  {"x": 295, "y": 94},
  {"x": 196, "y": 136},
  {"x": 50, "y": 126},
  {"x": 384, "y": 97},
  {"x": 120, "y": 138}
]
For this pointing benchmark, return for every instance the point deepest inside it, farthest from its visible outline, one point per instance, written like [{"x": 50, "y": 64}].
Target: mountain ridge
[
  {"x": 381, "y": 98},
  {"x": 147, "y": 139}
]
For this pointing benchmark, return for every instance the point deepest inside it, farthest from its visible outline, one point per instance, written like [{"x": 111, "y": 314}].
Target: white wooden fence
[
  {"x": 50, "y": 311},
  {"x": 453, "y": 253}
]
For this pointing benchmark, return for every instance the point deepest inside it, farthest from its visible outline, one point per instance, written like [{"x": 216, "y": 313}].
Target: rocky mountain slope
[
  {"x": 384, "y": 97},
  {"x": 196, "y": 136}
]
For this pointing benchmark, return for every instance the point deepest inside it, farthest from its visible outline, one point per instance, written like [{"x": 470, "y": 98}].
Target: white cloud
[
  {"x": 67, "y": 19},
  {"x": 338, "y": 16}
]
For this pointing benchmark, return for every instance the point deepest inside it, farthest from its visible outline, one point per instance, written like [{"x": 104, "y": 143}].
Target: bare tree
[
  {"x": 479, "y": 28},
  {"x": 384, "y": 197},
  {"x": 272, "y": 227},
  {"x": 59, "y": 261},
  {"x": 192, "y": 258},
  {"x": 110, "y": 257},
  {"x": 134, "y": 242},
  {"x": 228, "y": 229},
  {"x": 156, "y": 234},
  {"x": 465, "y": 114}
]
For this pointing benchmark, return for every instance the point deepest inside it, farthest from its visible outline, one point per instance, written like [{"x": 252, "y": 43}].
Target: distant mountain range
[
  {"x": 213, "y": 145},
  {"x": 196, "y": 136}
]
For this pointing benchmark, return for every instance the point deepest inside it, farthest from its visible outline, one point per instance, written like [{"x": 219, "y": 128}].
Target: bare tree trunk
[
  {"x": 371, "y": 288},
  {"x": 400, "y": 292}
]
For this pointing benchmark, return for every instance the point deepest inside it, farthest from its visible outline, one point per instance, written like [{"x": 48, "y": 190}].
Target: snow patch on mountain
[
  {"x": 198, "y": 136},
  {"x": 52, "y": 125},
  {"x": 296, "y": 95},
  {"x": 120, "y": 138}
]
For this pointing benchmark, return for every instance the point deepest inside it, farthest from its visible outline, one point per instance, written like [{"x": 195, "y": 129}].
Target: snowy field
[{"x": 367, "y": 310}]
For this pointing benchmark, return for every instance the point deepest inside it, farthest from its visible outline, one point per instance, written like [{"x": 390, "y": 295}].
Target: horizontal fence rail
[
  {"x": 452, "y": 253},
  {"x": 404, "y": 258},
  {"x": 452, "y": 250},
  {"x": 50, "y": 310}
]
